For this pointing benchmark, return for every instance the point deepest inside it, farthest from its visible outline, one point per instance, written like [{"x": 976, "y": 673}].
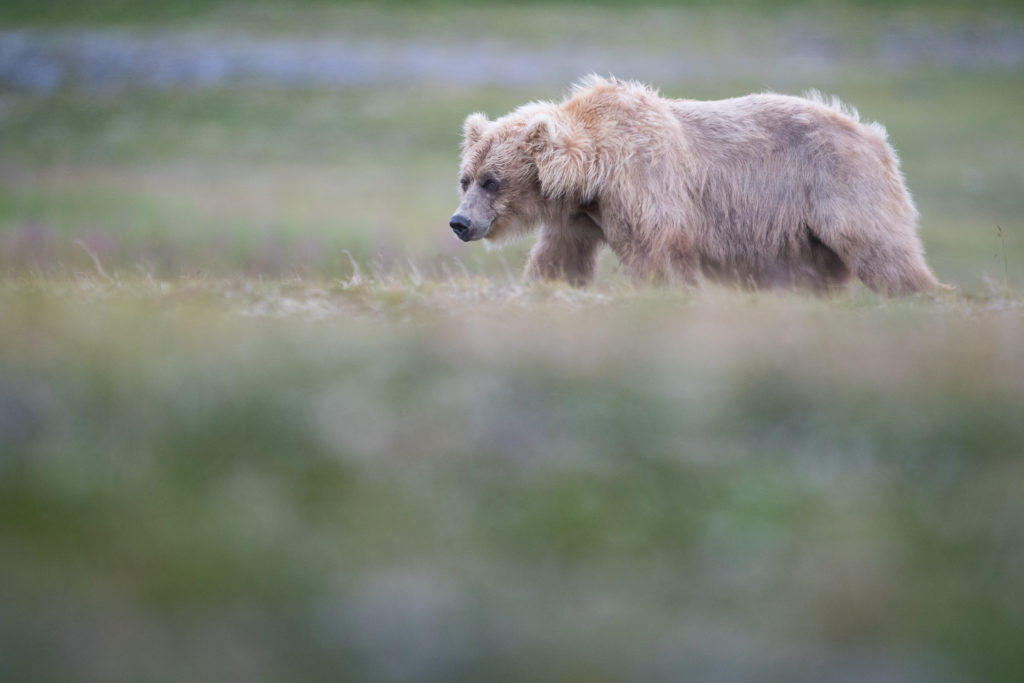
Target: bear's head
[{"x": 520, "y": 169}]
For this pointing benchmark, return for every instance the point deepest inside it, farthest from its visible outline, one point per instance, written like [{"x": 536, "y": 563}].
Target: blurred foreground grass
[{"x": 394, "y": 478}]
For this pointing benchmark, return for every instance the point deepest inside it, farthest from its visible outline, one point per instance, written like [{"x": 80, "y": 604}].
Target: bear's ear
[
  {"x": 473, "y": 129},
  {"x": 564, "y": 156}
]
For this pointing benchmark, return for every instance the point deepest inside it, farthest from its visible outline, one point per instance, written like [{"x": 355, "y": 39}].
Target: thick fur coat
[{"x": 764, "y": 190}]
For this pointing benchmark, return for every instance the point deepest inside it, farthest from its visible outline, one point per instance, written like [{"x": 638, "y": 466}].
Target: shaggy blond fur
[{"x": 763, "y": 190}]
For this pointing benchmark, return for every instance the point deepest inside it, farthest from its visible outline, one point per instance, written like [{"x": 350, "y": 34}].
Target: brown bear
[{"x": 764, "y": 190}]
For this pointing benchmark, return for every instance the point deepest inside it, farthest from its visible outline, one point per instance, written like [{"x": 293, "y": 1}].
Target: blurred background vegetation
[
  {"x": 218, "y": 136},
  {"x": 263, "y": 418}
]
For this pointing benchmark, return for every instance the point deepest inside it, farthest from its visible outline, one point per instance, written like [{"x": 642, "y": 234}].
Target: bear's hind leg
[
  {"x": 897, "y": 273},
  {"x": 884, "y": 252},
  {"x": 888, "y": 266},
  {"x": 567, "y": 250},
  {"x": 827, "y": 271},
  {"x": 866, "y": 216}
]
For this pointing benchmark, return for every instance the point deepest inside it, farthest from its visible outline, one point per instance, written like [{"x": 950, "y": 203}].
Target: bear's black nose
[{"x": 460, "y": 224}]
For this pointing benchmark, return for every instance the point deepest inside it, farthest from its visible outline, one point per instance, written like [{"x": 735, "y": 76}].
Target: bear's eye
[
  {"x": 489, "y": 184},
  {"x": 464, "y": 182}
]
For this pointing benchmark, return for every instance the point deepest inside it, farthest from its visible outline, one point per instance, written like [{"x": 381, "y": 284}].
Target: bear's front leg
[
  {"x": 668, "y": 261},
  {"x": 567, "y": 250}
]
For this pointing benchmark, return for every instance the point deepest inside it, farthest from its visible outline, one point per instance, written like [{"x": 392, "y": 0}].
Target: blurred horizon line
[{"x": 45, "y": 61}]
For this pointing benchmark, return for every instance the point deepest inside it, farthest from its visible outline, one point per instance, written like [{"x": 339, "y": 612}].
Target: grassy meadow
[{"x": 262, "y": 417}]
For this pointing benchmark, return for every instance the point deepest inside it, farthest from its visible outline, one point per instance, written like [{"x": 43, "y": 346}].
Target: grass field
[
  {"x": 263, "y": 418},
  {"x": 392, "y": 479}
]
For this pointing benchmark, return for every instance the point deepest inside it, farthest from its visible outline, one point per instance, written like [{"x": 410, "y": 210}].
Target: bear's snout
[{"x": 460, "y": 225}]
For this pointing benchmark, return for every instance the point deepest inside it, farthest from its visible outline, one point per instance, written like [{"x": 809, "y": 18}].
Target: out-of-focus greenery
[
  {"x": 389, "y": 479},
  {"x": 263, "y": 418},
  {"x": 424, "y": 12}
]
